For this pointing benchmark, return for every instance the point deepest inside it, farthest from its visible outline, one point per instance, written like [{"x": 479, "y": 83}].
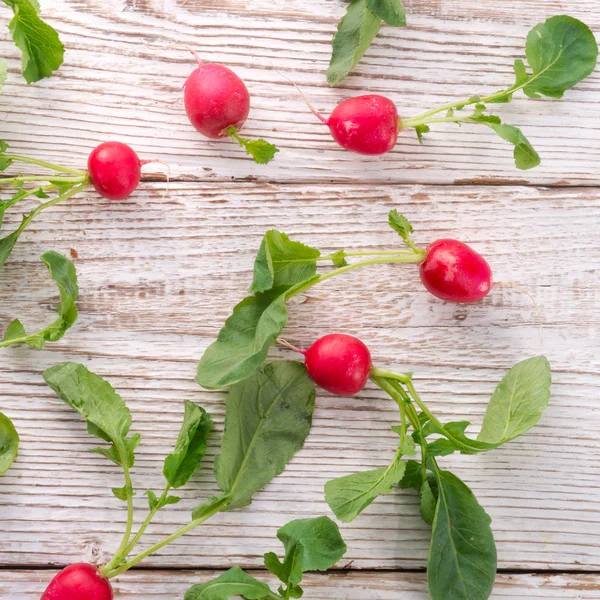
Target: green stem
[
  {"x": 43, "y": 188},
  {"x": 345, "y": 254},
  {"x": 26, "y": 178},
  {"x": 440, "y": 426},
  {"x": 397, "y": 392},
  {"x": 36, "y": 211},
  {"x": 385, "y": 374},
  {"x": 121, "y": 551},
  {"x": 212, "y": 509},
  {"x": 146, "y": 523},
  {"x": 423, "y": 118},
  {"x": 413, "y": 258},
  {"x": 43, "y": 163}
]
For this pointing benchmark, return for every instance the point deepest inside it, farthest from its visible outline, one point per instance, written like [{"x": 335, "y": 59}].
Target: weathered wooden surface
[
  {"x": 160, "y": 273},
  {"x": 123, "y": 79},
  {"x": 163, "y": 585}
]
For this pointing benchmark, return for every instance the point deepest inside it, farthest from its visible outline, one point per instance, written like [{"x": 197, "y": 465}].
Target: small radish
[
  {"x": 79, "y": 582},
  {"x": 339, "y": 363},
  {"x": 454, "y": 272},
  {"x": 217, "y": 103},
  {"x": 365, "y": 124},
  {"x": 114, "y": 170}
]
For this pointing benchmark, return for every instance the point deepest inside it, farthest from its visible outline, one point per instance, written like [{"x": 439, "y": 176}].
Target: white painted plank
[
  {"x": 122, "y": 79},
  {"x": 159, "y": 274},
  {"x": 341, "y": 585}
]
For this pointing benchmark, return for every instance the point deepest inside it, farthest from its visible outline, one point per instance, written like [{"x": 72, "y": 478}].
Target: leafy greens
[
  {"x": 310, "y": 545},
  {"x": 561, "y": 52},
  {"x": 356, "y": 31},
  {"x": 9, "y": 443},
  {"x": 63, "y": 273},
  {"x": 41, "y": 48}
]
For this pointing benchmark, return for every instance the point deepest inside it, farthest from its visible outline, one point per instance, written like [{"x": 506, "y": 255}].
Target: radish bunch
[
  {"x": 449, "y": 270},
  {"x": 342, "y": 364}
]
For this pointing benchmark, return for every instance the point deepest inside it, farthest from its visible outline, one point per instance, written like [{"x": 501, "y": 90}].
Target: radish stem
[
  {"x": 211, "y": 509},
  {"x": 43, "y": 163}
]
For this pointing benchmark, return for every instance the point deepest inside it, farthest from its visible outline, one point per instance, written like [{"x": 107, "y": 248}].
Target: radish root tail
[
  {"x": 290, "y": 346},
  {"x": 310, "y": 106}
]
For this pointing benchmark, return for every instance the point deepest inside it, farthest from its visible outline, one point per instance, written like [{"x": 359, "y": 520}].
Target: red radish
[
  {"x": 339, "y": 363},
  {"x": 454, "y": 272},
  {"x": 114, "y": 169},
  {"x": 216, "y": 99},
  {"x": 365, "y": 124},
  {"x": 79, "y": 582},
  {"x": 217, "y": 103}
]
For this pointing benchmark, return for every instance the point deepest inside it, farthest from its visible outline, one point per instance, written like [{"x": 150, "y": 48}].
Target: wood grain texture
[
  {"x": 163, "y": 585},
  {"x": 122, "y": 79},
  {"x": 160, "y": 273}
]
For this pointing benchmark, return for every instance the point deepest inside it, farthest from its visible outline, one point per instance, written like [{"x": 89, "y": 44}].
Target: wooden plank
[
  {"x": 160, "y": 273},
  {"x": 28, "y": 585},
  {"x": 123, "y": 78}
]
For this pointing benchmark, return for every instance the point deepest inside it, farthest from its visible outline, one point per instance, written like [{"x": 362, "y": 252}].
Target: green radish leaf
[
  {"x": 154, "y": 502},
  {"x": 401, "y": 225},
  {"x": 282, "y": 262},
  {"x": 61, "y": 186},
  {"x": 428, "y": 503},
  {"x": 339, "y": 259},
  {"x": 348, "y": 496},
  {"x": 525, "y": 155},
  {"x": 3, "y": 146},
  {"x": 190, "y": 447},
  {"x": 3, "y": 76},
  {"x": 561, "y": 52},
  {"x": 456, "y": 441},
  {"x": 5, "y": 162},
  {"x": 9, "y": 443},
  {"x": 390, "y": 11},
  {"x": 261, "y": 151},
  {"x": 243, "y": 343},
  {"x": 520, "y": 72},
  {"x": 421, "y": 130},
  {"x": 413, "y": 476},
  {"x": 310, "y": 545},
  {"x": 8, "y": 243},
  {"x": 267, "y": 419},
  {"x": 462, "y": 557},
  {"x": 15, "y": 331},
  {"x": 518, "y": 402},
  {"x": 234, "y": 582},
  {"x": 99, "y": 404},
  {"x": 355, "y": 32},
  {"x": 42, "y": 50},
  {"x": 63, "y": 273},
  {"x": 120, "y": 493}
]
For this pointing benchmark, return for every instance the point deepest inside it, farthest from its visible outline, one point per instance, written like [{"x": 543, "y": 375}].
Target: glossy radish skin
[
  {"x": 339, "y": 363},
  {"x": 454, "y": 272},
  {"x": 79, "y": 582},
  {"x": 215, "y": 99},
  {"x": 114, "y": 169},
  {"x": 365, "y": 124}
]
